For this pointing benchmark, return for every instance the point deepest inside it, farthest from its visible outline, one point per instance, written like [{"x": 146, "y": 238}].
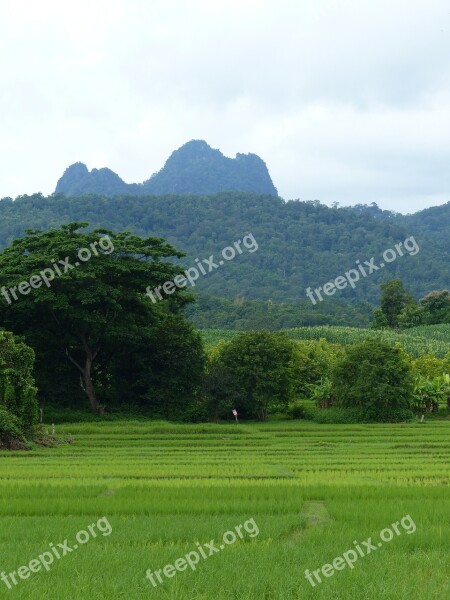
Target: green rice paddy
[{"x": 311, "y": 489}]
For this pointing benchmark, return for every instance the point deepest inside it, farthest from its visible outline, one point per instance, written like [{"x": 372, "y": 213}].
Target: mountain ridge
[{"x": 195, "y": 169}]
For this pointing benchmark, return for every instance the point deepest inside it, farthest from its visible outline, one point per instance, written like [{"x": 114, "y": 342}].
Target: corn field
[{"x": 431, "y": 339}]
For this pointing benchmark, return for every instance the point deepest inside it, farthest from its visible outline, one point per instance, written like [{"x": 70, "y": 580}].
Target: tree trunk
[
  {"x": 88, "y": 387},
  {"x": 86, "y": 381}
]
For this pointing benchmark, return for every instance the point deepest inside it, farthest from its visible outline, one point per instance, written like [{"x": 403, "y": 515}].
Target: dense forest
[{"x": 300, "y": 245}]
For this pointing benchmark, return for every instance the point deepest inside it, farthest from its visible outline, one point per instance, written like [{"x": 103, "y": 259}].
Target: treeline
[
  {"x": 400, "y": 310},
  {"x": 81, "y": 332},
  {"x": 209, "y": 312},
  {"x": 301, "y": 244}
]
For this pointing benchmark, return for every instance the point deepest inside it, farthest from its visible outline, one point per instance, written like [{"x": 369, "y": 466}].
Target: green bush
[
  {"x": 17, "y": 389},
  {"x": 376, "y": 379},
  {"x": 428, "y": 394},
  {"x": 196, "y": 412},
  {"x": 260, "y": 364},
  {"x": 297, "y": 410},
  {"x": 312, "y": 361},
  {"x": 10, "y": 429},
  {"x": 322, "y": 393}
]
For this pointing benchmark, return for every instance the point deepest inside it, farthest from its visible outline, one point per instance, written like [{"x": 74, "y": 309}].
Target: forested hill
[
  {"x": 195, "y": 168},
  {"x": 301, "y": 244}
]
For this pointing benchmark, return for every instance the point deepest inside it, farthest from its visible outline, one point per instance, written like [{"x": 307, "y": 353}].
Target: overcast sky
[{"x": 345, "y": 100}]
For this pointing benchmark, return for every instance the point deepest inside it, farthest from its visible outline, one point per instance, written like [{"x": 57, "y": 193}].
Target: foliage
[
  {"x": 338, "y": 415},
  {"x": 93, "y": 311},
  {"x": 374, "y": 378},
  {"x": 17, "y": 388},
  {"x": 298, "y": 410},
  {"x": 429, "y": 366},
  {"x": 394, "y": 300},
  {"x": 167, "y": 383},
  {"x": 322, "y": 393},
  {"x": 245, "y": 315},
  {"x": 432, "y": 309},
  {"x": 260, "y": 366},
  {"x": 429, "y": 393},
  {"x": 435, "y": 307},
  {"x": 221, "y": 391},
  {"x": 305, "y": 244},
  {"x": 10, "y": 428},
  {"x": 311, "y": 362}
]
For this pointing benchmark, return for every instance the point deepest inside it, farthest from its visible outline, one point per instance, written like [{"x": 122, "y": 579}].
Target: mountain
[{"x": 195, "y": 168}]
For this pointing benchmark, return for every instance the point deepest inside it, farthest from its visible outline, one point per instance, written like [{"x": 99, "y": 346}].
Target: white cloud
[{"x": 344, "y": 100}]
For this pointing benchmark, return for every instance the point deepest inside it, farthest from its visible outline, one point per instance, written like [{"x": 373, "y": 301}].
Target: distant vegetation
[
  {"x": 417, "y": 341},
  {"x": 301, "y": 244},
  {"x": 102, "y": 344}
]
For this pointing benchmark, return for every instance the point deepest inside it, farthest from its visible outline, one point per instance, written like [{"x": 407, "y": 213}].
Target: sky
[{"x": 346, "y": 101}]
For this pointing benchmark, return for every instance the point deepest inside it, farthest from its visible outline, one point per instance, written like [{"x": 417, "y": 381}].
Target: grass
[{"x": 311, "y": 489}]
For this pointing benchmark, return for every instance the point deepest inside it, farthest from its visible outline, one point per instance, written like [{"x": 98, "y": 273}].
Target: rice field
[{"x": 312, "y": 490}]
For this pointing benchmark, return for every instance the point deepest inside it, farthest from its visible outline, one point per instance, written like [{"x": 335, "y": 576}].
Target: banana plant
[
  {"x": 428, "y": 393},
  {"x": 321, "y": 393}
]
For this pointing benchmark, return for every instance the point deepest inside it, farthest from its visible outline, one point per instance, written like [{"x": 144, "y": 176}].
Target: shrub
[
  {"x": 429, "y": 366},
  {"x": 299, "y": 411},
  {"x": 17, "y": 389},
  {"x": 313, "y": 360},
  {"x": 376, "y": 379},
  {"x": 429, "y": 393},
  {"x": 322, "y": 393},
  {"x": 260, "y": 363},
  {"x": 196, "y": 412},
  {"x": 10, "y": 429}
]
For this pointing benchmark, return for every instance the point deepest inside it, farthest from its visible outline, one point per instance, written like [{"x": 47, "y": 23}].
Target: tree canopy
[{"x": 91, "y": 301}]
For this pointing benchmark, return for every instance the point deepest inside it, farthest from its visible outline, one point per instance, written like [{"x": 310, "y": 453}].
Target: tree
[
  {"x": 260, "y": 364},
  {"x": 221, "y": 391},
  {"x": 91, "y": 297},
  {"x": 428, "y": 393},
  {"x": 163, "y": 371},
  {"x": 394, "y": 300},
  {"x": 18, "y": 402},
  {"x": 375, "y": 378},
  {"x": 312, "y": 362},
  {"x": 436, "y": 307}
]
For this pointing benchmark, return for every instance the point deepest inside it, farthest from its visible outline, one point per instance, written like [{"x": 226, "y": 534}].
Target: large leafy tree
[
  {"x": 394, "y": 301},
  {"x": 375, "y": 379},
  {"x": 91, "y": 307},
  {"x": 260, "y": 366},
  {"x": 436, "y": 307}
]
